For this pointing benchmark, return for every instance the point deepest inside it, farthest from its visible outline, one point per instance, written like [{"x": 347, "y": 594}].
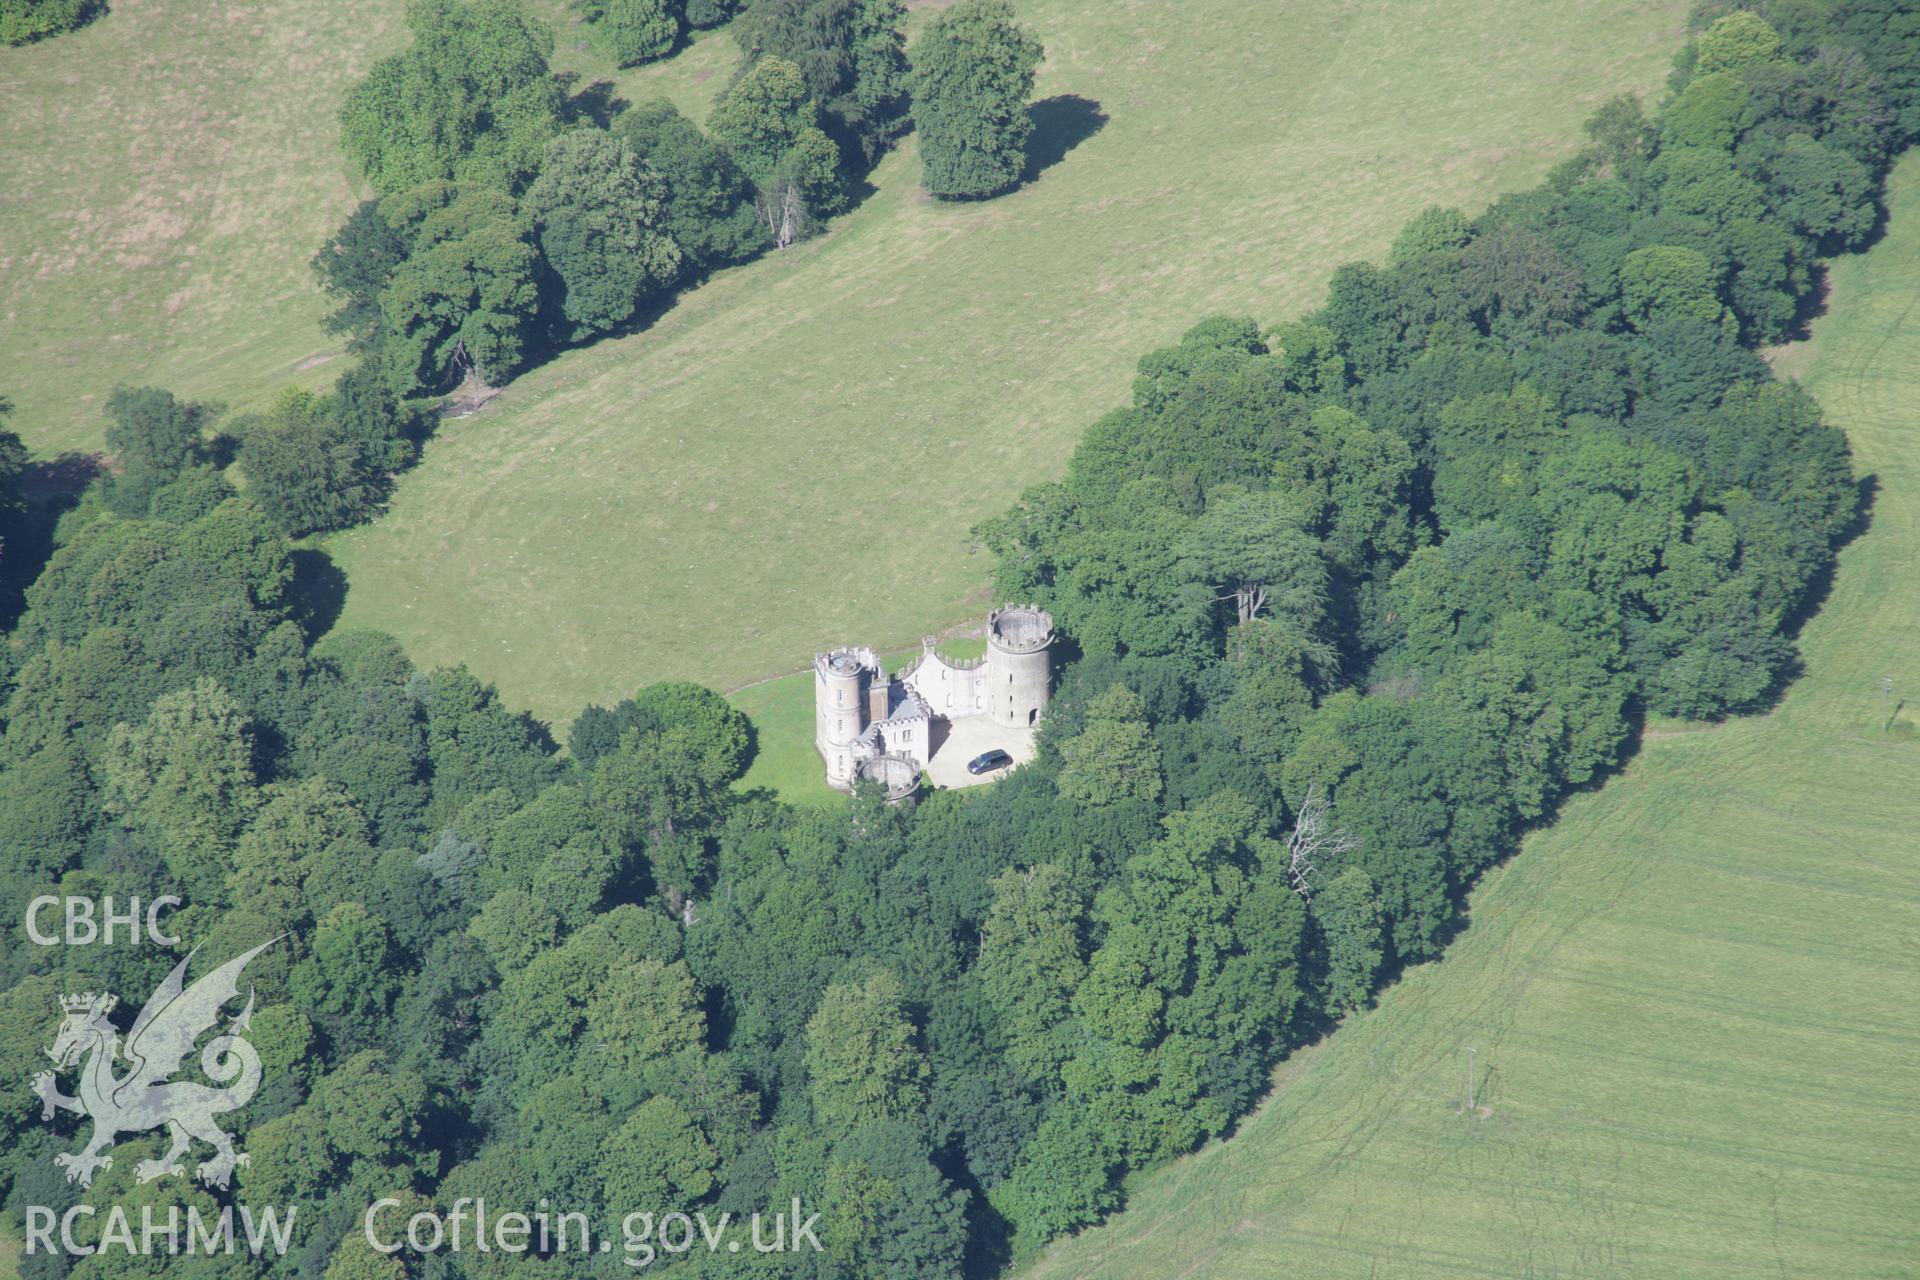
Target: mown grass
[
  {"x": 795, "y": 452},
  {"x": 170, "y": 170},
  {"x": 1695, "y": 999}
]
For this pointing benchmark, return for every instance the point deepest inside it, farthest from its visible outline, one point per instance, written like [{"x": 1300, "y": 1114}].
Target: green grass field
[
  {"x": 1695, "y": 1000},
  {"x": 793, "y": 455},
  {"x": 171, "y": 169}
]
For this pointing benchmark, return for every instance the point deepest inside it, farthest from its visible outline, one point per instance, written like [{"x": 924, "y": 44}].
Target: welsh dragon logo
[{"x": 146, "y": 1096}]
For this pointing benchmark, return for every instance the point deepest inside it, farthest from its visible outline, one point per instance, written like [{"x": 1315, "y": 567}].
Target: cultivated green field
[
  {"x": 1695, "y": 1000},
  {"x": 793, "y": 455}
]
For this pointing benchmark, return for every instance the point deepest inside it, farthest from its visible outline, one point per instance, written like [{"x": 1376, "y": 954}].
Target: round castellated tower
[
  {"x": 1019, "y": 664},
  {"x": 839, "y": 710}
]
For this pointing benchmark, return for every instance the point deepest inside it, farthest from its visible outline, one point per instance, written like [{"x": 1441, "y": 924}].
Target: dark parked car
[{"x": 988, "y": 761}]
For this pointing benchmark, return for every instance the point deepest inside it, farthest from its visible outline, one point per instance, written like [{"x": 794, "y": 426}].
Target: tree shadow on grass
[
  {"x": 1059, "y": 125},
  {"x": 597, "y": 102},
  {"x": 319, "y": 591}
]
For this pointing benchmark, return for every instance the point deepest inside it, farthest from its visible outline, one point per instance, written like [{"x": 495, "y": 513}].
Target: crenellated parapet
[
  {"x": 861, "y": 714},
  {"x": 1019, "y": 679}
]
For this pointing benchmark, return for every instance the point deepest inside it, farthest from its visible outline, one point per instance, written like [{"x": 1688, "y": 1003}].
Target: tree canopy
[
  {"x": 972, "y": 74},
  {"x": 1351, "y": 602},
  {"x": 472, "y": 99}
]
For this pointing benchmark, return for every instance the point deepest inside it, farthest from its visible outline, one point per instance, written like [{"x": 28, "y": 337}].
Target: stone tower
[
  {"x": 1019, "y": 664},
  {"x": 842, "y": 681}
]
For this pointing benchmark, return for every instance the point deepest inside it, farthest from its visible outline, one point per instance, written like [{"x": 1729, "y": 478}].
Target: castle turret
[
  {"x": 840, "y": 707},
  {"x": 900, "y": 775},
  {"x": 1019, "y": 664}
]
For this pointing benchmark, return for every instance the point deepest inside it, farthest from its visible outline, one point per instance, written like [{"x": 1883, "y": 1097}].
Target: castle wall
[
  {"x": 853, "y": 697},
  {"x": 949, "y": 689},
  {"x": 911, "y": 737}
]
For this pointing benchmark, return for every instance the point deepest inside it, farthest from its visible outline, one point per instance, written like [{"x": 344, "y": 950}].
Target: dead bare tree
[
  {"x": 473, "y": 389},
  {"x": 1314, "y": 839},
  {"x": 1249, "y": 598},
  {"x": 785, "y": 213}
]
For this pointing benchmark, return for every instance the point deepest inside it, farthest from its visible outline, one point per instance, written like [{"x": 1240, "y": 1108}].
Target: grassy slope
[
  {"x": 1694, "y": 998},
  {"x": 792, "y": 456},
  {"x": 170, "y": 170}
]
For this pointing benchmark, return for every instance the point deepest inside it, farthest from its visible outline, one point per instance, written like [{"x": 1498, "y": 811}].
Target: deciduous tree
[
  {"x": 972, "y": 74},
  {"x": 599, "y": 215}
]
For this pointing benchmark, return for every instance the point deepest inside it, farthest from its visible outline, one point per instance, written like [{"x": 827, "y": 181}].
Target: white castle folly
[{"x": 868, "y": 724}]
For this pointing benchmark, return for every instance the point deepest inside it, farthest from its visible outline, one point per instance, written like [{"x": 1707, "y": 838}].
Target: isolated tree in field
[
  {"x": 598, "y": 212},
  {"x": 471, "y": 99},
  {"x": 972, "y": 74},
  {"x": 152, "y": 437},
  {"x": 631, "y": 31}
]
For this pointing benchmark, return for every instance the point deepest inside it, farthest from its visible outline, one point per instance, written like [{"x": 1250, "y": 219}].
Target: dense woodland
[{"x": 1379, "y": 585}]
